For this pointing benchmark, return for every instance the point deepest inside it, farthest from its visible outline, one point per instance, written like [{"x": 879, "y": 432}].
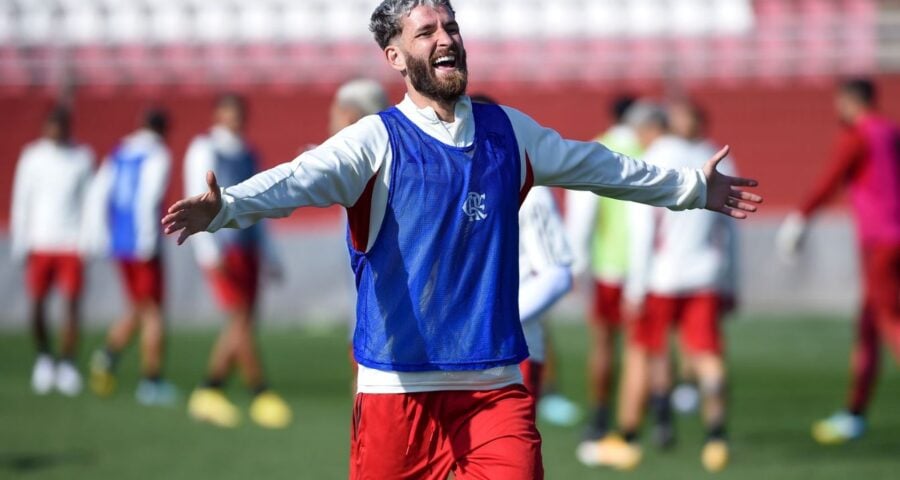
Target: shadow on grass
[{"x": 27, "y": 462}]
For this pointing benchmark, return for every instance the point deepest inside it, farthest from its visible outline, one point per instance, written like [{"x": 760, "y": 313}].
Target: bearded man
[{"x": 432, "y": 187}]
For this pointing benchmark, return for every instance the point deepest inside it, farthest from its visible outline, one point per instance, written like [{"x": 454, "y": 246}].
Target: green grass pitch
[{"x": 785, "y": 374}]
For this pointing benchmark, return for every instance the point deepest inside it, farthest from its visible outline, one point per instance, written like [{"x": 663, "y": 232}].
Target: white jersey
[
  {"x": 544, "y": 261},
  {"x": 340, "y": 170},
  {"x": 679, "y": 254},
  {"x": 124, "y": 204},
  {"x": 50, "y": 184}
]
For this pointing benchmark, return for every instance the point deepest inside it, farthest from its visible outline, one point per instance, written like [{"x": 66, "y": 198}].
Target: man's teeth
[{"x": 444, "y": 59}]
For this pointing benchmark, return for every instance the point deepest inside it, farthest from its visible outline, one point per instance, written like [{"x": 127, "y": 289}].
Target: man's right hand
[{"x": 194, "y": 214}]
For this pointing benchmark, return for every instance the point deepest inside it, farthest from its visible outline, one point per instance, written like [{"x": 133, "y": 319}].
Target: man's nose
[{"x": 443, "y": 38}]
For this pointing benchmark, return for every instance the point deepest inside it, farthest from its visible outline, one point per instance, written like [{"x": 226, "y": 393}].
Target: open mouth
[{"x": 445, "y": 63}]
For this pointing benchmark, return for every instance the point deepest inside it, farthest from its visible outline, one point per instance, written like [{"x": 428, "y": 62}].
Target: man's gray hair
[
  {"x": 645, "y": 113},
  {"x": 363, "y": 94},
  {"x": 385, "y": 21}
]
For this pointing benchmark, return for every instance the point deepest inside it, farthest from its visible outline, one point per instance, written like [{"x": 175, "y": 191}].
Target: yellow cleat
[
  {"x": 210, "y": 405},
  {"x": 269, "y": 410},
  {"x": 102, "y": 381},
  {"x": 715, "y": 456},
  {"x": 610, "y": 451}
]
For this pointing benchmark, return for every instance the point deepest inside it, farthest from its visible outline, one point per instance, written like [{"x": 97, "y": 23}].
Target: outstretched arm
[
  {"x": 590, "y": 166},
  {"x": 336, "y": 172}
]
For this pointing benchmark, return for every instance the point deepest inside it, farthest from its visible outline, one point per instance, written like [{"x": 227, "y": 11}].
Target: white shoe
[
  {"x": 42, "y": 374},
  {"x": 68, "y": 380}
]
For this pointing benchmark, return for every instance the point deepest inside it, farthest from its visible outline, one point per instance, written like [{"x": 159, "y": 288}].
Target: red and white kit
[
  {"x": 681, "y": 266},
  {"x": 471, "y": 419},
  {"x": 50, "y": 185}
]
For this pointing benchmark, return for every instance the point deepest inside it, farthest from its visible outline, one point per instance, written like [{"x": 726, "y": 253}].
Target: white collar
[{"x": 460, "y": 132}]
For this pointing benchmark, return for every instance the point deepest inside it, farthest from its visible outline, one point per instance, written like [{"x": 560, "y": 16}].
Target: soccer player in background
[
  {"x": 354, "y": 100},
  {"x": 433, "y": 187},
  {"x": 50, "y": 183},
  {"x": 544, "y": 277},
  {"x": 598, "y": 230},
  {"x": 680, "y": 269},
  {"x": 232, "y": 260},
  {"x": 867, "y": 160},
  {"x": 124, "y": 207}
]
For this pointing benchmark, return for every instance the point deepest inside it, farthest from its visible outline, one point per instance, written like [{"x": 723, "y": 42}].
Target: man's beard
[{"x": 445, "y": 87}]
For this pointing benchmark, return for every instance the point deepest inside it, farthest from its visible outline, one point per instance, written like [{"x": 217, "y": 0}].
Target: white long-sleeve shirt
[
  {"x": 544, "y": 265},
  {"x": 133, "y": 181},
  {"x": 50, "y": 184},
  {"x": 339, "y": 170},
  {"x": 680, "y": 254}
]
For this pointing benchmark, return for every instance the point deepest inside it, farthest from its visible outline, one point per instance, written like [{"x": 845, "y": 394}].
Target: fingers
[
  {"x": 735, "y": 203},
  {"x": 742, "y": 182},
  {"x": 719, "y": 156},
  {"x": 176, "y": 226},
  {"x": 183, "y": 236},
  {"x": 174, "y": 217},
  {"x": 179, "y": 205},
  {"x": 733, "y": 213},
  {"x": 211, "y": 181},
  {"x": 742, "y": 195}
]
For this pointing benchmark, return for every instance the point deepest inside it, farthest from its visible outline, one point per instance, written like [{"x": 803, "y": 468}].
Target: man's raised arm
[
  {"x": 336, "y": 172},
  {"x": 590, "y": 166}
]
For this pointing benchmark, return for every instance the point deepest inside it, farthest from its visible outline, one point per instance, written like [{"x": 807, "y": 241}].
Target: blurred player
[
  {"x": 433, "y": 186},
  {"x": 50, "y": 183},
  {"x": 867, "y": 160},
  {"x": 544, "y": 277},
  {"x": 232, "y": 261},
  {"x": 126, "y": 198},
  {"x": 354, "y": 100},
  {"x": 598, "y": 229},
  {"x": 679, "y": 268}
]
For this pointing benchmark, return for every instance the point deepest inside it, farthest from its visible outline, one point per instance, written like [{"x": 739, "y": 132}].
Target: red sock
[{"x": 864, "y": 363}]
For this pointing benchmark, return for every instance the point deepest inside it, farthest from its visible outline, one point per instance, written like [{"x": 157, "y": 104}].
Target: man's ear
[{"x": 395, "y": 58}]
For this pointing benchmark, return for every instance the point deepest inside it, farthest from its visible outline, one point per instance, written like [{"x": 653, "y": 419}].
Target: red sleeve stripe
[
  {"x": 529, "y": 180},
  {"x": 359, "y": 215}
]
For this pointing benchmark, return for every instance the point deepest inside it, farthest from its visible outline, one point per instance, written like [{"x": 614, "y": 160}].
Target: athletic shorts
[
  {"x": 532, "y": 374},
  {"x": 44, "y": 270},
  {"x": 607, "y": 309},
  {"x": 696, "y": 317},
  {"x": 143, "y": 279},
  {"x": 425, "y": 436},
  {"x": 235, "y": 285}
]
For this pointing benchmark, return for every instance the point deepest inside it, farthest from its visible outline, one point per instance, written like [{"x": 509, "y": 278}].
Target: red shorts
[
  {"x": 696, "y": 316},
  {"x": 607, "y": 309},
  {"x": 143, "y": 279},
  {"x": 46, "y": 269},
  {"x": 236, "y": 283},
  {"x": 425, "y": 436},
  {"x": 532, "y": 374}
]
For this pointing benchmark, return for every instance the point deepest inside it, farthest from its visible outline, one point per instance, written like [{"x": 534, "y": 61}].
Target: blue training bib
[{"x": 438, "y": 290}]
